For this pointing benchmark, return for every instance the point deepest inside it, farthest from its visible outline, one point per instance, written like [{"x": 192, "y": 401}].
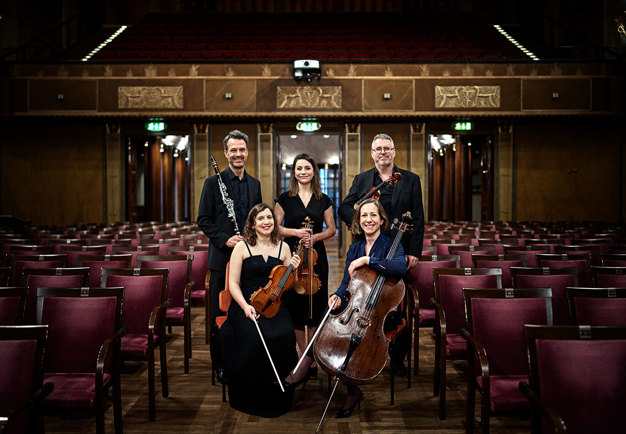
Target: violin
[
  {"x": 308, "y": 281},
  {"x": 352, "y": 345},
  {"x": 376, "y": 191},
  {"x": 267, "y": 300}
]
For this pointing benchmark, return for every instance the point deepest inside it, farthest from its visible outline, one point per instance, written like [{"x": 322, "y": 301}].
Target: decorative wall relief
[
  {"x": 317, "y": 97},
  {"x": 150, "y": 97},
  {"x": 467, "y": 96}
]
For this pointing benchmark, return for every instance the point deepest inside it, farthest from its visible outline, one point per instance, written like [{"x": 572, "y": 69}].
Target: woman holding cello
[
  {"x": 370, "y": 250},
  {"x": 252, "y": 386},
  {"x": 304, "y": 198}
]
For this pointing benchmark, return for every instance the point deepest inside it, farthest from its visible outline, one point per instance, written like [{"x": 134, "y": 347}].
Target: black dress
[
  {"x": 252, "y": 386},
  {"x": 295, "y": 213}
]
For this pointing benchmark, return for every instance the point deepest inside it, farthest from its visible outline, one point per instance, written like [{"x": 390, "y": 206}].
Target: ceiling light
[
  {"x": 514, "y": 42},
  {"x": 104, "y": 44}
]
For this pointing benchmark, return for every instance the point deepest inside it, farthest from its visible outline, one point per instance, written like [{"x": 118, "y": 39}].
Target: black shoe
[
  {"x": 398, "y": 368},
  {"x": 347, "y": 412},
  {"x": 220, "y": 375},
  {"x": 313, "y": 371},
  {"x": 303, "y": 380}
]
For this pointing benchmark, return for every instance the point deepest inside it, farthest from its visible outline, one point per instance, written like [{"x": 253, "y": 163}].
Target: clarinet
[{"x": 230, "y": 205}]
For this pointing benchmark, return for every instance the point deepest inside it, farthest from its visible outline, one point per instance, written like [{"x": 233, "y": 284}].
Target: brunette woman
[
  {"x": 304, "y": 198},
  {"x": 252, "y": 384}
]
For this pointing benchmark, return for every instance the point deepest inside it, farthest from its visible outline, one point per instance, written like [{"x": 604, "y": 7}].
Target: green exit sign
[
  {"x": 156, "y": 126},
  {"x": 308, "y": 126},
  {"x": 462, "y": 126}
]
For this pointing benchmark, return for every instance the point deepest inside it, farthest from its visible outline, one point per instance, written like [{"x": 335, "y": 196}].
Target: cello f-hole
[{"x": 347, "y": 320}]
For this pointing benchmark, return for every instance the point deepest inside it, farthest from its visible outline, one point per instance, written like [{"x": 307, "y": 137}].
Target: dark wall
[
  {"x": 569, "y": 170},
  {"x": 52, "y": 170}
]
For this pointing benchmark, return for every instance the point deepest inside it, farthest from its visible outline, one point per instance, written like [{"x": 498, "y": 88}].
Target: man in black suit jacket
[
  {"x": 396, "y": 199},
  {"x": 214, "y": 221}
]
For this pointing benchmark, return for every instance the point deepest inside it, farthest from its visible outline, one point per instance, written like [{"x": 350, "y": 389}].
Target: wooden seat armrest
[
  {"x": 104, "y": 351},
  {"x": 535, "y": 400},
  {"x": 482, "y": 357}
]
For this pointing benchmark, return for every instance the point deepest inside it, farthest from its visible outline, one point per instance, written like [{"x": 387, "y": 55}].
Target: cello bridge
[{"x": 363, "y": 322}]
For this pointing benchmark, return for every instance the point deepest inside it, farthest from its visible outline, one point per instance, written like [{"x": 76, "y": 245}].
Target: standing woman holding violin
[
  {"x": 252, "y": 385},
  {"x": 303, "y": 199}
]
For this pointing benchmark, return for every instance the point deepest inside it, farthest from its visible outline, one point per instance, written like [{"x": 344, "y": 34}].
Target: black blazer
[
  {"x": 407, "y": 196},
  {"x": 213, "y": 217}
]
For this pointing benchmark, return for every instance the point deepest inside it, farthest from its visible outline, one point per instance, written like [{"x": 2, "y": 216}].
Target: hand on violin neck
[
  {"x": 294, "y": 261},
  {"x": 363, "y": 260},
  {"x": 303, "y": 233}
]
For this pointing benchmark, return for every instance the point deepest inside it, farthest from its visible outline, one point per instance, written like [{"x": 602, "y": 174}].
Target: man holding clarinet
[{"x": 226, "y": 199}]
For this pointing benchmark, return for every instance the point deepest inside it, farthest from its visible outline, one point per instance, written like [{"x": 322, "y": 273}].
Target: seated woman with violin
[
  {"x": 252, "y": 384},
  {"x": 370, "y": 250}
]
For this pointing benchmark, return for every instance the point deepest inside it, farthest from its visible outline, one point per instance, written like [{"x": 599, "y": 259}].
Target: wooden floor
[{"x": 194, "y": 405}]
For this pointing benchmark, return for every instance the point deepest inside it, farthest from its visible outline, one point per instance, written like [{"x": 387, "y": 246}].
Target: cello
[
  {"x": 308, "y": 281},
  {"x": 352, "y": 345}
]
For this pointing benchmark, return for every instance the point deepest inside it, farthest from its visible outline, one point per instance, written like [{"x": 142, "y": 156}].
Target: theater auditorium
[{"x": 137, "y": 140}]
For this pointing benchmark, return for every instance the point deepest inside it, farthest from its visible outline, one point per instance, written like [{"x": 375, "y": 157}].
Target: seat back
[
  {"x": 199, "y": 264},
  {"x": 597, "y": 306},
  {"x": 444, "y": 245},
  {"x": 72, "y": 348},
  {"x": 581, "y": 261},
  {"x": 554, "y": 278},
  {"x": 504, "y": 262},
  {"x": 225, "y": 297},
  {"x": 613, "y": 260},
  {"x": 604, "y": 277},
  {"x": 21, "y": 358},
  {"x": 20, "y": 262},
  {"x": 73, "y": 252},
  {"x": 531, "y": 253},
  {"x": 421, "y": 276},
  {"x": 34, "y": 278},
  {"x": 145, "y": 289},
  {"x": 496, "y": 318},
  {"x": 58, "y": 243},
  {"x": 449, "y": 284},
  {"x": 97, "y": 262},
  {"x": 466, "y": 253},
  {"x": 579, "y": 372},
  {"x": 12, "y": 305},
  {"x": 5, "y": 274},
  {"x": 179, "y": 276},
  {"x": 135, "y": 252}
]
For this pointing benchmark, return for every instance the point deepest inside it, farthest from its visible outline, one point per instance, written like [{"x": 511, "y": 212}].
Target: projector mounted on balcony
[{"x": 306, "y": 70}]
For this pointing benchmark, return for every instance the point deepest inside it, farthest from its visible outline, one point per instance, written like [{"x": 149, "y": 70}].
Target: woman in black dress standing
[
  {"x": 304, "y": 198},
  {"x": 252, "y": 384}
]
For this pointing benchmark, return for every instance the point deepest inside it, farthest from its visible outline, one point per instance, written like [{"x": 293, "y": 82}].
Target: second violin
[{"x": 308, "y": 281}]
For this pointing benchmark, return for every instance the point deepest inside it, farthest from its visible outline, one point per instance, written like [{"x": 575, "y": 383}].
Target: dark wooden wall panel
[
  {"x": 568, "y": 171},
  {"x": 51, "y": 172},
  {"x": 400, "y": 92},
  {"x": 541, "y": 94},
  {"x": 76, "y": 94},
  {"x": 243, "y": 94}
]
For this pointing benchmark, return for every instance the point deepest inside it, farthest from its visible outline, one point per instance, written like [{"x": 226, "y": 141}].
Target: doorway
[
  {"x": 461, "y": 177},
  {"x": 158, "y": 178}
]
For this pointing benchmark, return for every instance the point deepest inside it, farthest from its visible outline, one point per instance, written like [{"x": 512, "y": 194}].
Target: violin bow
[
  {"x": 308, "y": 347},
  {"x": 327, "y": 405},
  {"x": 280, "y": 382}
]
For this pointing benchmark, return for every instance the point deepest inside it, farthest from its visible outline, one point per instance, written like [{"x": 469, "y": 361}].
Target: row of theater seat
[
  {"x": 74, "y": 303},
  {"x": 502, "y": 330}
]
